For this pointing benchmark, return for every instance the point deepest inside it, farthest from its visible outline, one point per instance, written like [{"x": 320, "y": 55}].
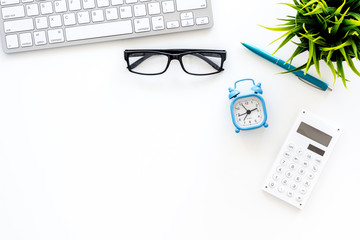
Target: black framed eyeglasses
[{"x": 193, "y": 61}]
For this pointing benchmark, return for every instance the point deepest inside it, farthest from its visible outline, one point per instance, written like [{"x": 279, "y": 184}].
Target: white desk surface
[{"x": 91, "y": 151}]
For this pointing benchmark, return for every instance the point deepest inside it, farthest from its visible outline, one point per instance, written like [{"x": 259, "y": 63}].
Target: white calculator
[{"x": 301, "y": 159}]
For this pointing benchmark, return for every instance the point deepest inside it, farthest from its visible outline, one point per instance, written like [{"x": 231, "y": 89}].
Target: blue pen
[{"x": 307, "y": 77}]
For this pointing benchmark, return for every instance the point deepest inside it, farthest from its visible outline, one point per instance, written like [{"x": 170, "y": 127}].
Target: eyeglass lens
[{"x": 193, "y": 63}]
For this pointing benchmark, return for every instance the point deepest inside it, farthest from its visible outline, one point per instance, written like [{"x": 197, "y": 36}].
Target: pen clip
[{"x": 329, "y": 88}]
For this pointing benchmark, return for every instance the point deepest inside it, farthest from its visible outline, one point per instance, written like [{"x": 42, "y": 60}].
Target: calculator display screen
[
  {"x": 316, "y": 150},
  {"x": 314, "y": 134}
]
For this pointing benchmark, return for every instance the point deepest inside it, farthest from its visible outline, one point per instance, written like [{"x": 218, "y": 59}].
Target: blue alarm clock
[{"x": 248, "y": 110}]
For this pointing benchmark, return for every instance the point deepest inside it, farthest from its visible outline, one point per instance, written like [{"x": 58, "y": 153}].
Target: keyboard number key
[{"x": 12, "y": 41}]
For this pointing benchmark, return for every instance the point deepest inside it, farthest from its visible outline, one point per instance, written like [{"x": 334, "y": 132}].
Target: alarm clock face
[{"x": 248, "y": 112}]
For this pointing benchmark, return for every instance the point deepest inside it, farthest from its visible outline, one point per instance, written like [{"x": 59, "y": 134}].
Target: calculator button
[
  {"x": 291, "y": 147},
  {"x": 292, "y": 166},
  {"x": 302, "y": 191},
  {"x": 287, "y": 154},
  {"x": 305, "y": 163},
  {"x": 283, "y": 162},
  {"x": 281, "y": 189},
  {"x": 290, "y": 194},
  {"x": 298, "y": 179},
  {"x": 299, "y": 198},
  {"x": 279, "y": 169},
  {"x": 294, "y": 186},
  {"x": 284, "y": 181},
  {"x": 271, "y": 184},
  {"x": 301, "y": 171},
  {"x": 308, "y": 156},
  {"x": 318, "y": 161},
  {"x": 314, "y": 168},
  {"x": 276, "y": 177},
  {"x": 300, "y": 152},
  {"x": 311, "y": 176},
  {"x": 307, "y": 183},
  {"x": 288, "y": 174},
  {"x": 296, "y": 158}
]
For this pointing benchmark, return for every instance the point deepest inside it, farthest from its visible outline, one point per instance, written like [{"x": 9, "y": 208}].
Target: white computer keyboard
[{"x": 27, "y": 25}]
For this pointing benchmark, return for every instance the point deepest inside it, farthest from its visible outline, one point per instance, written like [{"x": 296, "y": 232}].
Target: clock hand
[
  {"x": 244, "y": 106},
  {"x": 253, "y": 109}
]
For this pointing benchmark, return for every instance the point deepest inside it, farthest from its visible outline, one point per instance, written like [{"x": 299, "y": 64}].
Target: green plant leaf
[
  {"x": 311, "y": 53},
  {"x": 341, "y": 71},
  {"x": 332, "y": 68}
]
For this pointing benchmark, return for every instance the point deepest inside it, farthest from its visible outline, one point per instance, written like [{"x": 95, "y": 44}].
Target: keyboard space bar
[{"x": 98, "y": 30}]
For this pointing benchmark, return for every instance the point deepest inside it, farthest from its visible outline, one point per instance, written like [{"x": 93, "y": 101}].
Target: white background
[{"x": 91, "y": 151}]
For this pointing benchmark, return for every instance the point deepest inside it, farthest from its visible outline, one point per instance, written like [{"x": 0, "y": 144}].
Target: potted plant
[{"x": 328, "y": 29}]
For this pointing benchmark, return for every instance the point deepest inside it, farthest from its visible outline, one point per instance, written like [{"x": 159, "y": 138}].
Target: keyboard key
[
  {"x": 41, "y": 22},
  {"x": 83, "y": 17},
  {"x": 74, "y": 5},
  {"x": 168, "y": 6},
  {"x": 12, "y": 41},
  {"x": 183, "y": 5},
  {"x": 40, "y": 38},
  {"x": 56, "y": 36},
  {"x": 25, "y": 40},
  {"x": 13, "y": 12},
  {"x": 55, "y": 21},
  {"x": 69, "y": 19},
  {"x": 158, "y": 23},
  {"x": 32, "y": 10},
  {"x": 154, "y": 8},
  {"x": 9, "y": 2},
  {"x": 139, "y": 10},
  {"x": 60, "y": 6},
  {"x": 125, "y": 12},
  {"x": 98, "y": 30},
  {"x": 202, "y": 21},
  {"x": 103, "y": 3},
  {"x": 46, "y": 8},
  {"x": 172, "y": 24},
  {"x": 111, "y": 14},
  {"x": 97, "y": 15},
  {"x": 87, "y": 4},
  {"x": 142, "y": 25},
  {"x": 186, "y": 15},
  {"x": 187, "y": 23},
  {"x": 18, "y": 25},
  {"x": 117, "y": 2}
]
